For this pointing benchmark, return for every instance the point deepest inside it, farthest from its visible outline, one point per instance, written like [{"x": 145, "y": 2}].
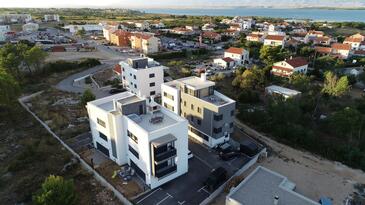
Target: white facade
[
  {"x": 274, "y": 41},
  {"x": 151, "y": 139},
  {"x": 224, "y": 62},
  {"x": 86, "y": 27},
  {"x": 239, "y": 57},
  {"x": 30, "y": 27},
  {"x": 3, "y": 30},
  {"x": 51, "y": 17},
  {"x": 142, "y": 76}
]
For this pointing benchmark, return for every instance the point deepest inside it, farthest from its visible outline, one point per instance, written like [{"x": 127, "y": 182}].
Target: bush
[
  {"x": 87, "y": 96},
  {"x": 56, "y": 191},
  {"x": 248, "y": 96}
]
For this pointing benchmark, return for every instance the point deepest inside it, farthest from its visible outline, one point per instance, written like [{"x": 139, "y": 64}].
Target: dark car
[
  {"x": 216, "y": 178},
  {"x": 116, "y": 90},
  {"x": 229, "y": 155},
  {"x": 249, "y": 148}
]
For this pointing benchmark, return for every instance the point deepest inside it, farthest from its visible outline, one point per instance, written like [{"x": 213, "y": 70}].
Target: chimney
[
  {"x": 203, "y": 76},
  {"x": 276, "y": 200}
]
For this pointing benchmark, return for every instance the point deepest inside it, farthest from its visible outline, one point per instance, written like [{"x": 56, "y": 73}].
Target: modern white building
[
  {"x": 149, "y": 138},
  {"x": 51, "y": 17},
  {"x": 87, "y": 27},
  {"x": 209, "y": 112},
  {"x": 142, "y": 76},
  {"x": 30, "y": 27}
]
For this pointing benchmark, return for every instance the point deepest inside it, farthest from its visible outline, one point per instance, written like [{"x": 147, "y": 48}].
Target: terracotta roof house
[
  {"x": 274, "y": 40},
  {"x": 341, "y": 50},
  {"x": 354, "y": 42},
  {"x": 288, "y": 67},
  {"x": 212, "y": 35}
]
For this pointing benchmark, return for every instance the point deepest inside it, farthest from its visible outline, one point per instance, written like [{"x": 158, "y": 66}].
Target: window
[
  {"x": 102, "y": 136},
  {"x": 184, "y": 114},
  {"x": 123, "y": 77},
  {"x": 185, "y": 103},
  {"x": 130, "y": 74},
  {"x": 123, "y": 69},
  {"x": 100, "y": 122},
  {"x": 218, "y": 117},
  {"x": 165, "y": 94},
  {"x": 152, "y": 84},
  {"x": 199, "y": 121},
  {"x": 133, "y": 151},
  {"x": 134, "y": 76},
  {"x": 199, "y": 110},
  {"x": 232, "y": 112},
  {"x": 152, "y": 75},
  {"x": 217, "y": 130},
  {"x": 132, "y": 136},
  {"x": 198, "y": 133},
  {"x": 135, "y": 86},
  {"x": 192, "y": 106},
  {"x": 152, "y": 93}
]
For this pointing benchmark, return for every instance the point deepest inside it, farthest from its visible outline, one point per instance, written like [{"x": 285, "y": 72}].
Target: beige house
[
  {"x": 209, "y": 112},
  {"x": 145, "y": 43},
  {"x": 274, "y": 40}
]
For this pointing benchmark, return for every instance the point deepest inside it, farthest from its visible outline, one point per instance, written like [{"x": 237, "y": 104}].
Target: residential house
[
  {"x": 264, "y": 186},
  {"x": 354, "y": 42},
  {"x": 30, "y": 27},
  {"x": 287, "y": 67},
  {"x": 142, "y": 76},
  {"x": 208, "y": 27},
  {"x": 341, "y": 50},
  {"x": 209, "y": 112},
  {"x": 324, "y": 40},
  {"x": 142, "y": 25},
  {"x": 274, "y": 40},
  {"x": 182, "y": 31},
  {"x": 255, "y": 37},
  {"x": 211, "y": 36},
  {"x": 120, "y": 38},
  {"x": 224, "y": 63},
  {"x": 152, "y": 140},
  {"x": 312, "y": 34},
  {"x": 145, "y": 43},
  {"x": 231, "y": 33},
  {"x": 241, "y": 56}
]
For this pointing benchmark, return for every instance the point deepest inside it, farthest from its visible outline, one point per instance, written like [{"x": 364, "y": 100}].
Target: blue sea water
[{"x": 313, "y": 14}]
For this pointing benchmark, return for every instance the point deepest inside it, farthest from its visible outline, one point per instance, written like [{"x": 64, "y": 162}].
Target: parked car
[
  {"x": 229, "y": 155},
  {"x": 216, "y": 178},
  {"x": 249, "y": 148},
  {"x": 116, "y": 90}
]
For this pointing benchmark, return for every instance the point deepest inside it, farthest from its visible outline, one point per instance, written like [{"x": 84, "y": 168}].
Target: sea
[{"x": 330, "y": 15}]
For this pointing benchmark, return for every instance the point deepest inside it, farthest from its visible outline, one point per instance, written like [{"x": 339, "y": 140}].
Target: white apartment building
[
  {"x": 15, "y": 18},
  {"x": 87, "y": 27},
  {"x": 51, "y": 17},
  {"x": 146, "y": 136},
  {"x": 209, "y": 112},
  {"x": 142, "y": 76},
  {"x": 30, "y": 27}
]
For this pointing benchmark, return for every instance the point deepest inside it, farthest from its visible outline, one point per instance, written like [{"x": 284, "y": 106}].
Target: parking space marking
[
  {"x": 203, "y": 188},
  {"x": 148, "y": 195},
  {"x": 164, "y": 199},
  {"x": 181, "y": 202}
]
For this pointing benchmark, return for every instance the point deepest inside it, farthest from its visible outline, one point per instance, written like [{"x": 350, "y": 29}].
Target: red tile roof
[
  {"x": 341, "y": 46},
  {"x": 275, "y": 37},
  {"x": 118, "y": 69},
  {"x": 320, "y": 49},
  {"x": 228, "y": 59},
  {"x": 210, "y": 34},
  {"x": 353, "y": 40},
  {"x": 120, "y": 32},
  {"x": 235, "y": 50},
  {"x": 297, "y": 62}
]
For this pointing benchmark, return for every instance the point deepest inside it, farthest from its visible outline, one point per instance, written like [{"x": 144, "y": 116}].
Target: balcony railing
[
  {"x": 165, "y": 171},
  {"x": 165, "y": 155}
]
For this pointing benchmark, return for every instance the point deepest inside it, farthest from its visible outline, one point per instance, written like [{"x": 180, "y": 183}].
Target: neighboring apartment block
[
  {"x": 142, "y": 76},
  {"x": 148, "y": 137},
  {"x": 51, "y": 17},
  {"x": 120, "y": 38},
  {"x": 209, "y": 112},
  {"x": 145, "y": 43}
]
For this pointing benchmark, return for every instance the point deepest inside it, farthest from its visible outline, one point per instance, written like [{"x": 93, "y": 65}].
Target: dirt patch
[{"x": 75, "y": 56}]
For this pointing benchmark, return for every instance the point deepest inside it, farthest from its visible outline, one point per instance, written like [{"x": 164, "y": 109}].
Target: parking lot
[{"x": 189, "y": 188}]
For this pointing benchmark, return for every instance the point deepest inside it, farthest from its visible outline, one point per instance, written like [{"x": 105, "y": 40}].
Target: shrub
[{"x": 86, "y": 97}]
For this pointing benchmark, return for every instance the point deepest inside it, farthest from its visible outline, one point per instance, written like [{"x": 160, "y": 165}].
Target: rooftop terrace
[{"x": 151, "y": 122}]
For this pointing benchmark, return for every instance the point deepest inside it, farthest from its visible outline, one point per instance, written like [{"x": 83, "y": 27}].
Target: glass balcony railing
[
  {"x": 165, "y": 155},
  {"x": 165, "y": 171}
]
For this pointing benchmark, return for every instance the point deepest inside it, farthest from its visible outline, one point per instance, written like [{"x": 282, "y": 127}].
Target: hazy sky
[{"x": 176, "y": 3}]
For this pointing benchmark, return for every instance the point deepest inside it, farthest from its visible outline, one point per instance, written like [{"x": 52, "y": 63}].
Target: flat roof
[
  {"x": 163, "y": 140},
  {"x": 147, "y": 124},
  {"x": 262, "y": 185},
  {"x": 107, "y": 103},
  {"x": 283, "y": 90},
  {"x": 196, "y": 82}
]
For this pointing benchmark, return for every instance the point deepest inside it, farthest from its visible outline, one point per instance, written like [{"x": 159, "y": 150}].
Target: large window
[
  {"x": 199, "y": 134},
  {"x": 152, "y": 93},
  {"x": 133, "y": 151},
  {"x": 217, "y": 130},
  {"x": 100, "y": 122},
  {"x": 152, "y": 75},
  {"x": 152, "y": 84},
  {"x": 132, "y": 136}
]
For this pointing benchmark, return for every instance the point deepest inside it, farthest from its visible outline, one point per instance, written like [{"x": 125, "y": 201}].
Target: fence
[{"x": 85, "y": 165}]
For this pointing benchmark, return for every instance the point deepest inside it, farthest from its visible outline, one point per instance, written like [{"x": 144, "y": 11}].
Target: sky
[{"x": 178, "y": 3}]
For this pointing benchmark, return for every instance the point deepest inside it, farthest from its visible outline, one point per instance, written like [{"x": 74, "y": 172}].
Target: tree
[
  {"x": 87, "y": 96},
  {"x": 34, "y": 58},
  {"x": 272, "y": 54},
  {"x": 56, "y": 191},
  {"x": 325, "y": 63},
  {"x": 347, "y": 122},
  {"x": 81, "y": 32},
  {"x": 300, "y": 81},
  {"x": 306, "y": 51},
  {"x": 334, "y": 86},
  {"x": 9, "y": 88},
  {"x": 250, "y": 78}
]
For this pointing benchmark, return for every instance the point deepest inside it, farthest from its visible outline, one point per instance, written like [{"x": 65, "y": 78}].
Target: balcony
[
  {"x": 165, "y": 155},
  {"x": 165, "y": 171}
]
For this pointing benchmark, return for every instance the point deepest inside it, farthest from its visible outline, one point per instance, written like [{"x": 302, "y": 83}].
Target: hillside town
[{"x": 146, "y": 110}]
